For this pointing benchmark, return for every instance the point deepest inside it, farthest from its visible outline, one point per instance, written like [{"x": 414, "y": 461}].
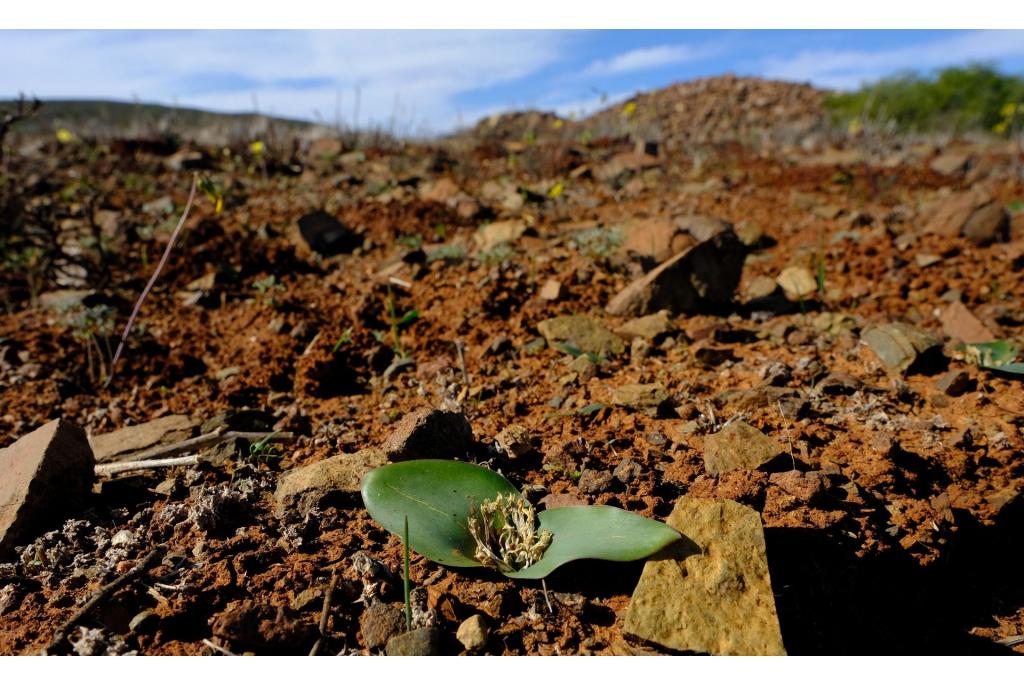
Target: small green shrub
[{"x": 956, "y": 99}]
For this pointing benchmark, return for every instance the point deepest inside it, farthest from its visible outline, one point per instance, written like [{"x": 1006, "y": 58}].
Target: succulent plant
[{"x": 465, "y": 515}]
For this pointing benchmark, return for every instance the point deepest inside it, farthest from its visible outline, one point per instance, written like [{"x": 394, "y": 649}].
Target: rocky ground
[{"x": 755, "y": 337}]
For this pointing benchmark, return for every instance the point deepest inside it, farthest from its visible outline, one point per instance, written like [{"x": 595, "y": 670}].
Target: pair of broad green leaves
[{"x": 439, "y": 497}]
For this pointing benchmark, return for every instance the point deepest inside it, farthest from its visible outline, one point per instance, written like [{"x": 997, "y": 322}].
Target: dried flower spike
[{"x": 506, "y": 536}]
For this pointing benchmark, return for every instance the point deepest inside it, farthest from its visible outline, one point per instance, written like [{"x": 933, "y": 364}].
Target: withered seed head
[{"x": 505, "y": 533}]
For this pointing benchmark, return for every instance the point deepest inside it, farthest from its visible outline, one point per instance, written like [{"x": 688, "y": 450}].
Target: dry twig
[
  {"x": 325, "y": 613},
  {"x": 154, "y": 555}
]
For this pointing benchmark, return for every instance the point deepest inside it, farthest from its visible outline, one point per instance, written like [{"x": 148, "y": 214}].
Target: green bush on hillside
[{"x": 956, "y": 99}]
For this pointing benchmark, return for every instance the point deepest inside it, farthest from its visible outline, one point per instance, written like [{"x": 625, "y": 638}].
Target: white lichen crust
[{"x": 506, "y": 534}]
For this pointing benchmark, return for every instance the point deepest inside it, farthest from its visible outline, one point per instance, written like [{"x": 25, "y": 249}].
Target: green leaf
[
  {"x": 438, "y": 496},
  {"x": 999, "y": 355},
  {"x": 597, "y": 532}
]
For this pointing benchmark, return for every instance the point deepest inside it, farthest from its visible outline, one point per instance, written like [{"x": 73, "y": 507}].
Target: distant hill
[{"x": 103, "y": 118}]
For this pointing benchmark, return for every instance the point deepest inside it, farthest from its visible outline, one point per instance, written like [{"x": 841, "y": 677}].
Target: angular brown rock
[
  {"x": 583, "y": 332},
  {"x": 430, "y": 434},
  {"x": 738, "y": 446},
  {"x": 702, "y": 277},
  {"x": 44, "y": 476}
]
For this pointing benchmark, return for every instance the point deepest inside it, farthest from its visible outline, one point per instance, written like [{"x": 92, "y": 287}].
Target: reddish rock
[
  {"x": 959, "y": 323},
  {"x": 971, "y": 213},
  {"x": 44, "y": 477},
  {"x": 430, "y": 434}
]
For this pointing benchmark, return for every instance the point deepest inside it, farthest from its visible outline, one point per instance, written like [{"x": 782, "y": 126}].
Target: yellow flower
[
  {"x": 630, "y": 109},
  {"x": 556, "y": 190},
  {"x": 557, "y": 124},
  {"x": 256, "y": 147},
  {"x": 65, "y": 136}
]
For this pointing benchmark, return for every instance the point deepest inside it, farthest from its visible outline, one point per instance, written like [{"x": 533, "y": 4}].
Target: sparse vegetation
[{"x": 957, "y": 99}]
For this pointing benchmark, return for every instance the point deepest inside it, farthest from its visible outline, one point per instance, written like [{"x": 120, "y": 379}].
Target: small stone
[
  {"x": 302, "y": 489},
  {"x": 960, "y": 323},
  {"x": 262, "y": 628},
  {"x": 551, "y": 290},
  {"x": 430, "y": 434},
  {"x": 594, "y": 482},
  {"x": 899, "y": 345},
  {"x": 838, "y": 383},
  {"x": 583, "y": 367},
  {"x": 443, "y": 191},
  {"x": 657, "y": 238},
  {"x": 44, "y": 476},
  {"x": 582, "y": 332},
  {"x": 472, "y": 633},
  {"x": 711, "y": 592},
  {"x": 972, "y": 213},
  {"x": 761, "y": 287},
  {"x": 738, "y": 446},
  {"x": 419, "y": 642},
  {"x": 647, "y": 327},
  {"x": 925, "y": 260},
  {"x": 642, "y": 396},
  {"x": 494, "y": 234},
  {"x": 144, "y": 621},
  {"x": 950, "y": 163},
  {"x": 807, "y": 486},
  {"x": 380, "y": 622},
  {"x": 797, "y": 282},
  {"x": 325, "y": 235},
  {"x": 987, "y": 224},
  {"x": 955, "y": 383},
  {"x": 703, "y": 276},
  {"x": 123, "y": 538},
  {"x": 627, "y": 471},
  {"x": 515, "y": 441}
]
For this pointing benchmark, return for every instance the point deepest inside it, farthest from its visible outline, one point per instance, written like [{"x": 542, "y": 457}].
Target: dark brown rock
[
  {"x": 261, "y": 628},
  {"x": 381, "y": 622},
  {"x": 955, "y": 383},
  {"x": 704, "y": 276},
  {"x": 327, "y": 236},
  {"x": 45, "y": 476},
  {"x": 430, "y": 434}
]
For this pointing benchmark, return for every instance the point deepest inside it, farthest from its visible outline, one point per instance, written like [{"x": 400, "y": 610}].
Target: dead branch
[
  {"x": 107, "y": 590},
  {"x": 325, "y": 613},
  {"x": 122, "y": 466},
  {"x": 203, "y": 441}
]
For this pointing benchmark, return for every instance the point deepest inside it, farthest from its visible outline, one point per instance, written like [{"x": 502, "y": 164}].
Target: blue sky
[{"x": 435, "y": 80}]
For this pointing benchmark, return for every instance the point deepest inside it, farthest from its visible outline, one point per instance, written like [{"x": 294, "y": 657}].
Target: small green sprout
[
  {"x": 344, "y": 339},
  {"x": 265, "y": 451},
  {"x": 407, "y": 584}
]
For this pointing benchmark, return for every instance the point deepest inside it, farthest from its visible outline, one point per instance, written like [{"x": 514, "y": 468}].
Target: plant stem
[{"x": 407, "y": 591}]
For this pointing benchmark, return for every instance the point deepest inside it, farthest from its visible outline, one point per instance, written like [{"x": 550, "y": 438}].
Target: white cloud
[
  {"x": 427, "y": 70},
  {"x": 848, "y": 69},
  {"x": 646, "y": 58}
]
